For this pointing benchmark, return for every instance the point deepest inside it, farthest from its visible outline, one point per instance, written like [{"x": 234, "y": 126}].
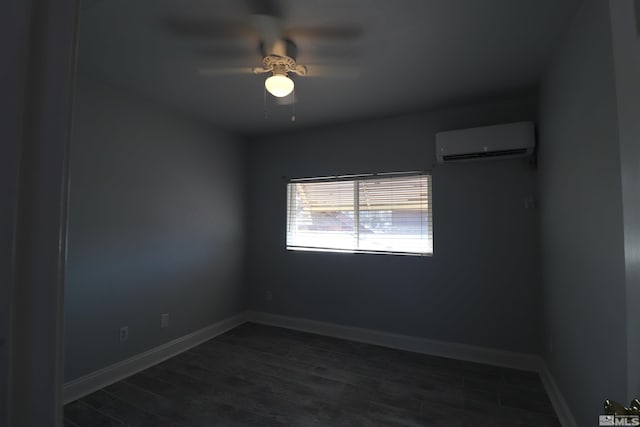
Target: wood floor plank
[
  {"x": 68, "y": 423},
  {"x": 258, "y": 375},
  {"x": 84, "y": 415}
]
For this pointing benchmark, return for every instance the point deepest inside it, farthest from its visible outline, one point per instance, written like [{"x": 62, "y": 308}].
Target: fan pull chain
[
  {"x": 293, "y": 108},
  {"x": 264, "y": 103}
]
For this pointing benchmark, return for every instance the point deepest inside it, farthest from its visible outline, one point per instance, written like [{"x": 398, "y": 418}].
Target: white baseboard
[
  {"x": 557, "y": 399},
  {"x": 96, "y": 380},
  {"x": 465, "y": 352}
]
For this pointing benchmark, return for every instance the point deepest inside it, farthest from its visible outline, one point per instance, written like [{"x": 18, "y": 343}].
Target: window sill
[{"x": 359, "y": 251}]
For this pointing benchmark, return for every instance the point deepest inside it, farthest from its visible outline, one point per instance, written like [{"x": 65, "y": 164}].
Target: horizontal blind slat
[{"x": 390, "y": 215}]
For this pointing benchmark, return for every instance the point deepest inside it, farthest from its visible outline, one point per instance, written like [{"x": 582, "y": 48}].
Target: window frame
[{"x": 356, "y": 178}]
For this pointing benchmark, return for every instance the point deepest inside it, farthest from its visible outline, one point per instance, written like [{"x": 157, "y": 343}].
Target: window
[{"x": 383, "y": 213}]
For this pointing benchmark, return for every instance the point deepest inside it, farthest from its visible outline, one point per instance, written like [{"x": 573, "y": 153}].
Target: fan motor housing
[
  {"x": 290, "y": 47},
  {"x": 279, "y": 64}
]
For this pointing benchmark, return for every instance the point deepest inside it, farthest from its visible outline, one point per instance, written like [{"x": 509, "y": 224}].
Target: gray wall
[
  {"x": 156, "y": 225},
  {"x": 481, "y": 285},
  {"x": 581, "y": 217},
  {"x": 626, "y": 48}
]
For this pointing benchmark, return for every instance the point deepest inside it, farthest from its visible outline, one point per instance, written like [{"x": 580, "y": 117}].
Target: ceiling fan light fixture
[{"x": 279, "y": 85}]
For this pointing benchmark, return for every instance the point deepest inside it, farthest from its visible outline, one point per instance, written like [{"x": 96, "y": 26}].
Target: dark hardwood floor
[{"x": 257, "y": 375}]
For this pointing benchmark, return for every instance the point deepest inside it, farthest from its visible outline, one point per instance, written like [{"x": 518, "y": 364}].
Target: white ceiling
[{"x": 412, "y": 54}]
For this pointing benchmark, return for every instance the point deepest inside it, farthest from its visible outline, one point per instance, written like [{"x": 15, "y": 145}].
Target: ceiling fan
[{"x": 276, "y": 46}]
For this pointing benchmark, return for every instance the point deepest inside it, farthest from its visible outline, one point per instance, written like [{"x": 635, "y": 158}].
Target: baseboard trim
[
  {"x": 103, "y": 377},
  {"x": 458, "y": 351},
  {"x": 507, "y": 359},
  {"x": 557, "y": 399}
]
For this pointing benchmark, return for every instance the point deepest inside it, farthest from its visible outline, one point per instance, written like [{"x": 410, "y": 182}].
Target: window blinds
[{"x": 372, "y": 214}]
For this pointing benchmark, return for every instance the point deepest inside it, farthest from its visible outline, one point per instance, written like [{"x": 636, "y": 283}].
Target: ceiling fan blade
[
  {"x": 347, "y": 33},
  {"x": 342, "y": 52},
  {"x": 198, "y": 28},
  {"x": 333, "y": 71},
  {"x": 212, "y": 70},
  {"x": 228, "y": 54}
]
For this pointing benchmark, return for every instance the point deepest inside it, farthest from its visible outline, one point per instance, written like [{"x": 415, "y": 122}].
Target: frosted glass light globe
[{"x": 279, "y": 85}]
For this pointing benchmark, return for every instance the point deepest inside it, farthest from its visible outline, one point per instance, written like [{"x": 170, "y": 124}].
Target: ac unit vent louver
[{"x": 488, "y": 142}]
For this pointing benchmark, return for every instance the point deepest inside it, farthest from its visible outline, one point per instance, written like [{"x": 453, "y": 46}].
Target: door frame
[{"x": 39, "y": 42}]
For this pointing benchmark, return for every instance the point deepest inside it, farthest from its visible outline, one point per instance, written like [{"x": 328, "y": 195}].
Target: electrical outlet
[
  {"x": 164, "y": 320},
  {"x": 124, "y": 333},
  {"x": 269, "y": 295}
]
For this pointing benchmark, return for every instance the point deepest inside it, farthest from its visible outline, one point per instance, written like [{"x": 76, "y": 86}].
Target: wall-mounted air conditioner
[{"x": 487, "y": 142}]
